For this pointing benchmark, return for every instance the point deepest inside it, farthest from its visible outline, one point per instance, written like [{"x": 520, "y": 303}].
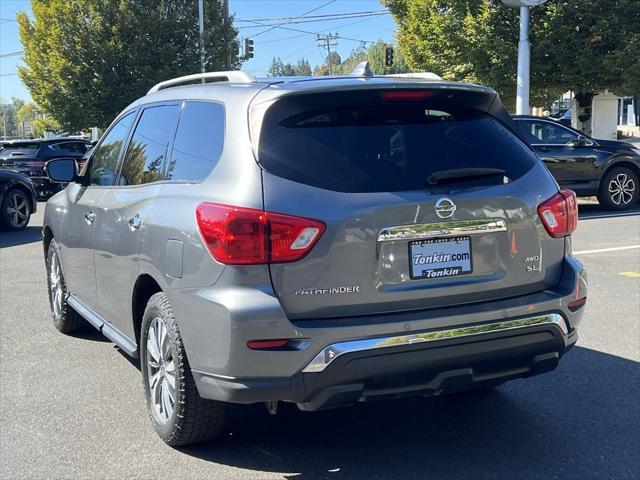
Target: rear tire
[
  {"x": 618, "y": 189},
  {"x": 178, "y": 414},
  {"x": 15, "y": 210},
  {"x": 65, "y": 318}
]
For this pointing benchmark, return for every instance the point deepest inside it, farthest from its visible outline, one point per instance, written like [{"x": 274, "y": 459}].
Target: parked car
[
  {"x": 17, "y": 200},
  {"x": 565, "y": 118},
  {"x": 29, "y": 156},
  {"x": 318, "y": 241},
  {"x": 608, "y": 169}
]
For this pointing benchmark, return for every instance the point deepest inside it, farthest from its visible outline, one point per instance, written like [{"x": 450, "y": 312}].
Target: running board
[{"x": 105, "y": 328}]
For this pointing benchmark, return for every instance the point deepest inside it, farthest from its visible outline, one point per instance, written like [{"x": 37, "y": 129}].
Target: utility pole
[
  {"x": 201, "y": 31},
  {"x": 227, "y": 42},
  {"x": 326, "y": 42}
]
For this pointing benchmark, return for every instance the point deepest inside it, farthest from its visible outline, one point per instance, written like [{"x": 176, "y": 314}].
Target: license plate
[{"x": 440, "y": 257}]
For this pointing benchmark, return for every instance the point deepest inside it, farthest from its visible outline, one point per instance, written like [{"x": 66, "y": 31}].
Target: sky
[{"x": 269, "y": 42}]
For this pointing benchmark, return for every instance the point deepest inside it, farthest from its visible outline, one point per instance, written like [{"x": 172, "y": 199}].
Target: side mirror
[
  {"x": 61, "y": 170},
  {"x": 580, "y": 142}
]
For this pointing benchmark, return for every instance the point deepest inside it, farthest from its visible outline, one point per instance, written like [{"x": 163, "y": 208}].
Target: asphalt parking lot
[{"x": 73, "y": 407}]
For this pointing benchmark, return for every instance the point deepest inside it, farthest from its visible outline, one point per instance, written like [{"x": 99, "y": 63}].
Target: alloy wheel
[
  {"x": 18, "y": 210},
  {"x": 55, "y": 286},
  {"x": 621, "y": 189},
  {"x": 161, "y": 371}
]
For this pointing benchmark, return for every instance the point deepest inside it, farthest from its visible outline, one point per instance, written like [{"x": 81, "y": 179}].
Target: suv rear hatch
[{"x": 428, "y": 200}]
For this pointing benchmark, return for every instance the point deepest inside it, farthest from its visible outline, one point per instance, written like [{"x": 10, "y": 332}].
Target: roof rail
[
  {"x": 424, "y": 75},
  {"x": 233, "y": 76}
]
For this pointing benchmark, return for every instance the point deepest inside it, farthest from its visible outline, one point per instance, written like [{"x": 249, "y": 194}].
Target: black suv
[
  {"x": 606, "y": 168},
  {"x": 29, "y": 156}
]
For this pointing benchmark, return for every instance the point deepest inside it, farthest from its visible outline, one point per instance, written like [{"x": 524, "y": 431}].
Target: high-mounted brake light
[
  {"x": 405, "y": 95},
  {"x": 559, "y": 214},
  {"x": 247, "y": 236}
]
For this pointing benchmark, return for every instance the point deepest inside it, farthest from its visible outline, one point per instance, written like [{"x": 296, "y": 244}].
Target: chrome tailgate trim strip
[{"x": 441, "y": 229}]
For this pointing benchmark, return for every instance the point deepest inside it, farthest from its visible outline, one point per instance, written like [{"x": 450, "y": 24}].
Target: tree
[
  {"x": 10, "y": 119},
  {"x": 576, "y": 45},
  {"x": 26, "y": 114},
  {"x": 280, "y": 69},
  {"x": 303, "y": 67},
  {"x": 45, "y": 124},
  {"x": 87, "y": 59}
]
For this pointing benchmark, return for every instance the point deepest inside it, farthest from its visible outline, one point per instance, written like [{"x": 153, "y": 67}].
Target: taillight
[
  {"x": 559, "y": 214},
  {"x": 247, "y": 236}
]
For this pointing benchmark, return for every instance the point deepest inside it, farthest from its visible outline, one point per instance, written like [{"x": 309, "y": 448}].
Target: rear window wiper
[{"x": 456, "y": 174}]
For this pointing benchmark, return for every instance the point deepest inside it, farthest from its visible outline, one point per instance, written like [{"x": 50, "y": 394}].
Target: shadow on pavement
[
  {"x": 578, "y": 422},
  {"x": 90, "y": 334},
  {"x": 28, "y": 235},
  {"x": 589, "y": 211}
]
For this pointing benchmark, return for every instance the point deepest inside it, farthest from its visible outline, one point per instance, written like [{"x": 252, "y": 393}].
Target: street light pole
[
  {"x": 201, "y": 25},
  {"x": 524, "y": 54},
  {"x": 524, "y": 65}
]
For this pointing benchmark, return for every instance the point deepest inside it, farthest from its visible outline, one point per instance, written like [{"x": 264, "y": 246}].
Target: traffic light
[
  {"x": 248, "y": 48},
  {"x": 388, "y": 56}
]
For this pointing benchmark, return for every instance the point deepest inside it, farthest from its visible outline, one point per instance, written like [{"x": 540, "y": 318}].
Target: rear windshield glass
[
  {"x": 19, "y": 150},
  {"x": 385, "y": 146}
]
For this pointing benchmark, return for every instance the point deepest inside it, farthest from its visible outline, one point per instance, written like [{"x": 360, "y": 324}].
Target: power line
[
  {"x": 299, "y": 16},
  {"x": 11, "y": 54},
  {"x": 309, "y": 16},
  {"x": 258, "y": 24},
  {"x": 331, "y": 18}
]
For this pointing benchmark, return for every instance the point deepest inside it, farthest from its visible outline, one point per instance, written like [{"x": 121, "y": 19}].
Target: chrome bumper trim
[
  {"x": 441, "y": 229},
  {"x": 331, "y": 352}
]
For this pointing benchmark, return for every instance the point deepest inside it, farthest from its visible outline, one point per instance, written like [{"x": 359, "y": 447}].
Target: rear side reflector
[
  {"x": 406, "y": 95},
  {"x": 559, "y": 214},
  {"x": 577, "y": 304},
  {"x": 267, "y": 344},
  {"x": 247, "y": 236}
]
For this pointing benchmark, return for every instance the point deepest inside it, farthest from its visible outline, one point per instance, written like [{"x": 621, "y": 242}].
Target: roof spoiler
[{"x": 364, "y": 70}]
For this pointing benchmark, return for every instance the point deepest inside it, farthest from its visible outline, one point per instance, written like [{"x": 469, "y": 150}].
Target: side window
[
  {"x": 548, "y": 133},
  {"x": 149, "y": 144},
  {"x": 104, "y": 161},
  {"x": 199, "y": 141}
]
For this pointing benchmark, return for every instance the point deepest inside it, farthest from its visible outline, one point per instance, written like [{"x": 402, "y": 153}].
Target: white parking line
[
  {"x": 602, "y": 250},
  {"x": 587, "y": 216}
]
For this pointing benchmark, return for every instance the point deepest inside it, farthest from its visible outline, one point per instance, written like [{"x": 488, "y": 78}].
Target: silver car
[{"x": 319, "y": 241}]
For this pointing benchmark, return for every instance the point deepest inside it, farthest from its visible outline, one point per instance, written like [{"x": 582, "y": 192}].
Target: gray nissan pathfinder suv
[{"x": 321, "y": 241}]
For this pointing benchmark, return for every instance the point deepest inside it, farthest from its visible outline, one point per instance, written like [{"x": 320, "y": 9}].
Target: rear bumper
[
  {"x": 419, "y": 354},
  {"x": 424, "y": 368}
]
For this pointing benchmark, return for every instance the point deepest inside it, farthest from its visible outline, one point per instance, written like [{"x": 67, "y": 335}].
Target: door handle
[
  {"x": 135, "y": 222},
  {"x": 89, "y": 217}
]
